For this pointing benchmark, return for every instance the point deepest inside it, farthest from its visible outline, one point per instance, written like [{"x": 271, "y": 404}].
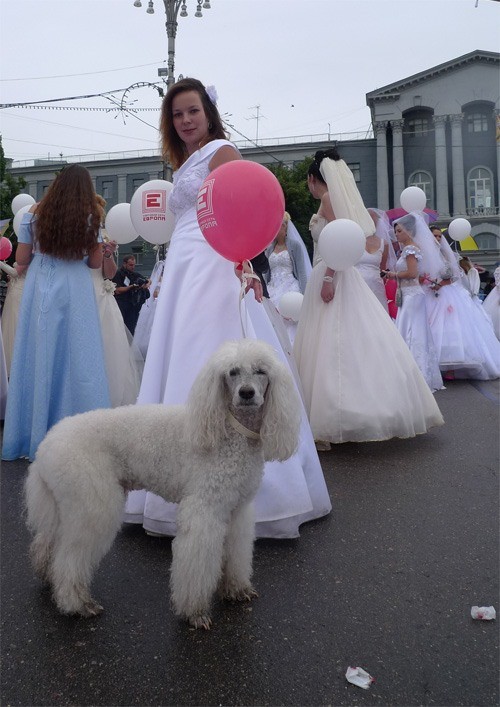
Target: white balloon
[
  {"x": 21, "y": 200},
  {"x": 413, "y": 199},
  {"x": 149, "y": 211},
  {"x": 19, "y": 217},
  {"x": 341, "y": 243},
  {"x": 459, "y": 229},
  {"x": 290, "y": 304},
  {"x": 118, "y": 224}
]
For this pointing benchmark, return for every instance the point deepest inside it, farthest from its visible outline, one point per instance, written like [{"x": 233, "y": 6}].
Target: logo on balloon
[
  {"x": 149, "y": 211},
  {"x": 204, "y": 205},
  {"x": 154, "y": 205}
]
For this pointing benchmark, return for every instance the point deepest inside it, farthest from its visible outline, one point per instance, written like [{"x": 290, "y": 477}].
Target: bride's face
[
  {"x": 190, "y": 121},
  {"x": 402, "y": 234}
]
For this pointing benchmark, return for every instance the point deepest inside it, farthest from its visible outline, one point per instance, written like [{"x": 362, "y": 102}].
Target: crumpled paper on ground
[
  {"x": 484, "y": 613},
  {"x": 358, "y": 676}
]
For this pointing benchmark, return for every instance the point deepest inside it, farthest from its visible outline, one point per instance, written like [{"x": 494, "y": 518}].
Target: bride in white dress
[
  {"x": 359, "y": 378},
  {"x": 289, "y": 267},
  {"x": 464, "y": 338},
  {"x": 378, "y": 255},
  {"x": 492, "y": 303},
  {"x": 197, "y": 310},
  {"x": 10, "y": 310},
  {"x": 411, "y": 319},
  {"x": 373, "y": 260}
]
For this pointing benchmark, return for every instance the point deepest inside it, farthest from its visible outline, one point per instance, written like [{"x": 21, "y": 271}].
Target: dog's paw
[
  {"x": 201, "y": 621},
  {"x": 91, "y": 608},
  {"x": 234, "y": 593}
]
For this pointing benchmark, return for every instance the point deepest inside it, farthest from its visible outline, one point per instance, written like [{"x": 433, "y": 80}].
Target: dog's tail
[{"x": 42, "y": 520}]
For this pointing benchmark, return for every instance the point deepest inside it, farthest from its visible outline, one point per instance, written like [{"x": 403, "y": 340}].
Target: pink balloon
[
  {"x": 5, "y": 248},
  {"x": 240, "y": 209}
]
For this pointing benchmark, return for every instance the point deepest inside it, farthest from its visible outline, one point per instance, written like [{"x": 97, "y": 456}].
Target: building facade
[{"x": 439, "y": 130}]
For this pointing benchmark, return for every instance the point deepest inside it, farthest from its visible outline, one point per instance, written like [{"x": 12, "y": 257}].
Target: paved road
[{"x": 385, "y": 582}]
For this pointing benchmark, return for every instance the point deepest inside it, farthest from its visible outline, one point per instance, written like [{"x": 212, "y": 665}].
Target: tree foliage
[{"x": 298, "y": 200}]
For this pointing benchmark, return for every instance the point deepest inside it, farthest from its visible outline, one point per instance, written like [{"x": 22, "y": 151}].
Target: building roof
[{"x": 393, "y": 89}]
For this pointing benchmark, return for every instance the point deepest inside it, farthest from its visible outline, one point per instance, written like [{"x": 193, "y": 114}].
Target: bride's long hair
[{"x": 173, "y": 147}]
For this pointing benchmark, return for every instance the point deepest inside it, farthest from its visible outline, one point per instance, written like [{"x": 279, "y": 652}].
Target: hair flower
[{"x": 212, "y": 94}]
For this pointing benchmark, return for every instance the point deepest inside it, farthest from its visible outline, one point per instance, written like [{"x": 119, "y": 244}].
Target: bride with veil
[{"x": 359, "y": 378}]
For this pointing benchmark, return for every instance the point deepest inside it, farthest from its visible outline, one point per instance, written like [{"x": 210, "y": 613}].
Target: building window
[
  {"x": 423, "y": 180},
  {"x": 107, "y": 190},
  {"x": 417, "y": 127},
  {"x": 477, "y": 123},
  {"x": 480, "y": 190},
  {"x": 354, "y": 167},
  {"x": 137, "y": 182},
  {"x": 487, "y": 241}
]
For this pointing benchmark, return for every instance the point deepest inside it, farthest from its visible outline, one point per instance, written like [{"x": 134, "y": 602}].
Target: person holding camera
[{"x": 132, "y": 290}]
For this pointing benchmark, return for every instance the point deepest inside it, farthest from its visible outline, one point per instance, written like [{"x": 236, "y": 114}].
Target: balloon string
[
  {"x": 8, "y": 269},
  {"x": 246, "y": 275}
]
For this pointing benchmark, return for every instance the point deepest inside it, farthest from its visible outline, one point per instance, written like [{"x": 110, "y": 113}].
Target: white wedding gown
[
  {"x": 282, "y": 281},
  {"x": 412, "y": 324},
  {"x": 10, "y": 314},
  {"x": 124, "y": 362},
  {"x": 144, "y": 324},
  {"x": 197, "y": 310},
  {"x": 463, "y": 334},
  {"x": 492, "y": 304},
  {"x": 369, "y": 269},
  {"x": 359, "y": 378}
]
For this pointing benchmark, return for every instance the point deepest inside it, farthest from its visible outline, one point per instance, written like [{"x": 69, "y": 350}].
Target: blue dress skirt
[{"x": 58, "y": 364}]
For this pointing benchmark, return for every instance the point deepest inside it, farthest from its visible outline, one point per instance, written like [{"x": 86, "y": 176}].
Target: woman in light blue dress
[{"x": 58, "y": 361}]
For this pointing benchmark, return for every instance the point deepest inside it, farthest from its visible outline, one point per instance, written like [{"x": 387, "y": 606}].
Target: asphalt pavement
[{"x": 385, "y": 582}]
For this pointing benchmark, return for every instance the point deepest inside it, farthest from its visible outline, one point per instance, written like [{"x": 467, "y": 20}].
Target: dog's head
[
  {"x": 247, "y": 378},
  {"x": 247, "y": 382}
]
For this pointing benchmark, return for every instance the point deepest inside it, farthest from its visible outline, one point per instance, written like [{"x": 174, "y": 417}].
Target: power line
[
  {"x": 103, "y": 94},
  {"x": 82, "y": 108},
  {"x": 88, "y": 73},
  {"x": 76, "y": 127}
]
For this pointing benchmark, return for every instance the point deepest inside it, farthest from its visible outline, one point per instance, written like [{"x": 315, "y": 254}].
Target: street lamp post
[{"x": 172, "y": 8}]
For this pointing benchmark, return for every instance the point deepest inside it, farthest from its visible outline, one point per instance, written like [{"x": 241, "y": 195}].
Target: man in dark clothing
[{"x": 131, "y": 292}]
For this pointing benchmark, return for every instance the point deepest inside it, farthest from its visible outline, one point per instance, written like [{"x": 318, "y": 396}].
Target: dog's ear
[
  {"x": 280, "y": 427},
  {"x": 207, "y": 407}
]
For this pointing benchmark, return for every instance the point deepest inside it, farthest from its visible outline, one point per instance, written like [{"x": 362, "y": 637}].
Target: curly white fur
[{"x": 191, "y": 455}]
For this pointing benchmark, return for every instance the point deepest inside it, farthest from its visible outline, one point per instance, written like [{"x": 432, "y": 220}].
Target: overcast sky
[{"x": 307, "y": 64}]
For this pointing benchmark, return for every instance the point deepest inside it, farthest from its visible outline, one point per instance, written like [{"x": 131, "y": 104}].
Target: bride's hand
[
  {"x": 327, "y": 292},
  {"x": 252, "y": 283},
  {"x": 256, "y": 286}
]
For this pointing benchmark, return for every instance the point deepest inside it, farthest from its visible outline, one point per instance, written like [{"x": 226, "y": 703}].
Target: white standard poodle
[{"x": 208, "y": 456}]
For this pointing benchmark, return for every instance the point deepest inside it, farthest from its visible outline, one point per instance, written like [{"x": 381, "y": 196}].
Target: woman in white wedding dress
[
  {"x": 198, "y": 309},
  {"x": 373, "y": 260},
  {"x": 411, "y": 319},
  {"x": 289, "y": 267},
  {"x": 123, "y": 360},
  {"x": 492, "y": 303},
  {"x": 464, "y": 338},
  {"x": 142, "y": 331},
  {"x": 359, "y": 378},
  {"x": 10, "y": 310}
]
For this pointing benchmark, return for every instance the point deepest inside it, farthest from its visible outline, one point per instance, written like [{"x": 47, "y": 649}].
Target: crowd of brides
[{"x": 366, "y": 369}]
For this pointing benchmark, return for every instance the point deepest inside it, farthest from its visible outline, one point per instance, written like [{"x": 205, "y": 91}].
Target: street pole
[{"x": 172, "y": 8}]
